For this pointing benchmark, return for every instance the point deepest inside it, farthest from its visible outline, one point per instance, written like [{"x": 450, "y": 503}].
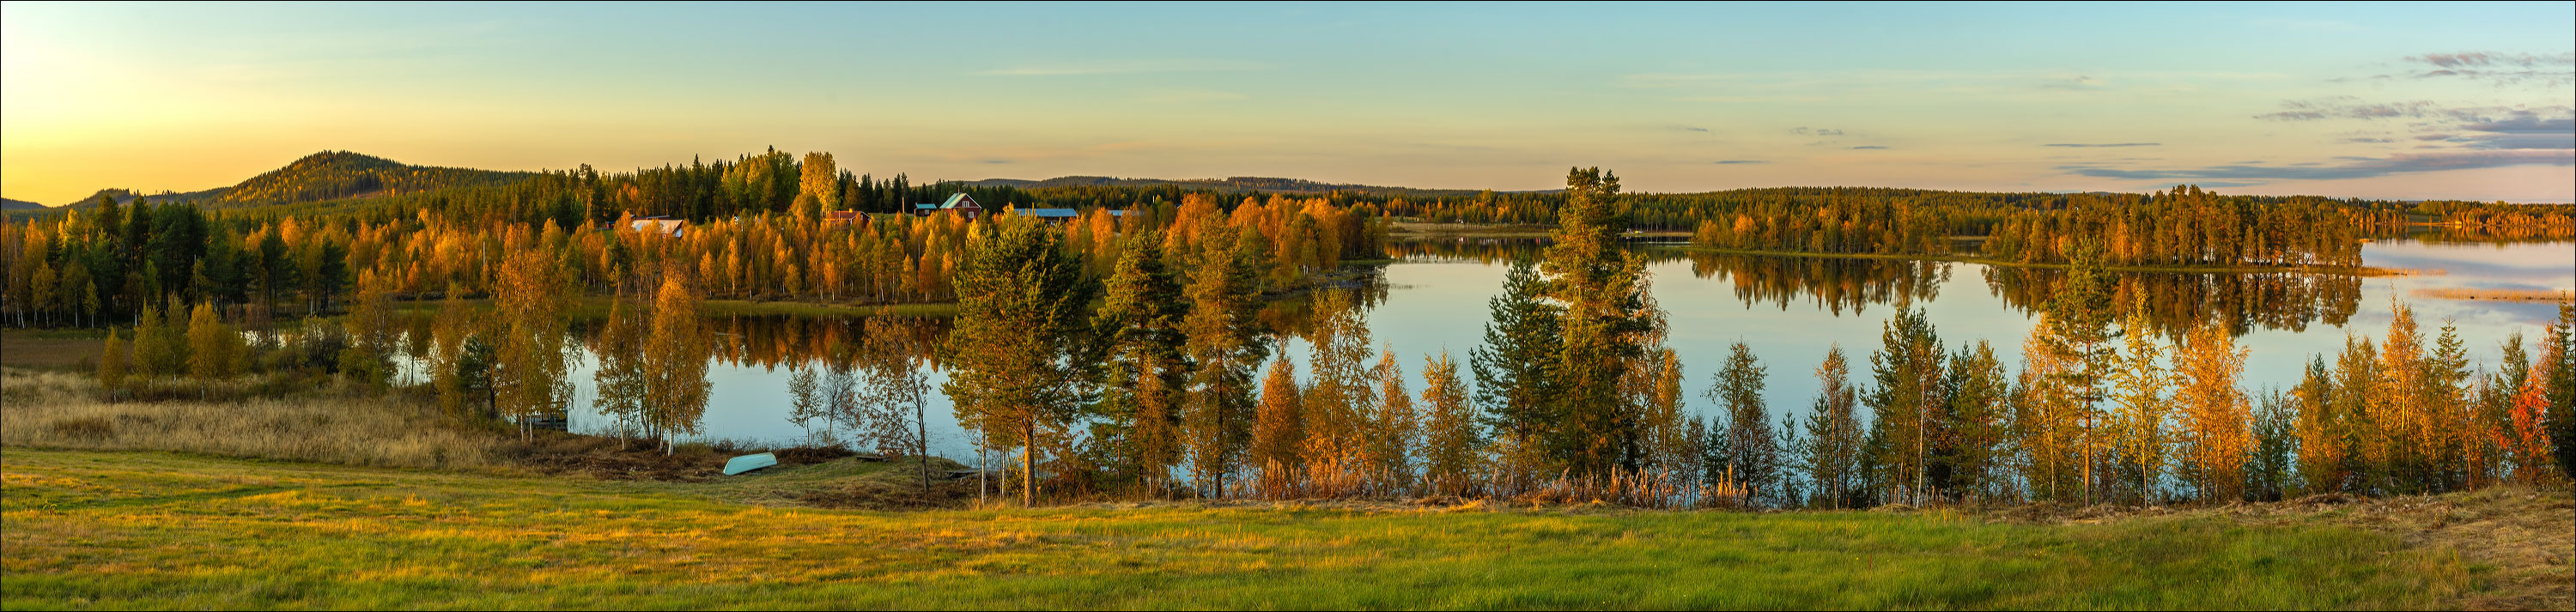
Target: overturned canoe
[{"x": 748, "y": 463}]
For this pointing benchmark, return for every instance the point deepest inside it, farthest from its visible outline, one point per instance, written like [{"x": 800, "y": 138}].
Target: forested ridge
[
  {"x": 760, "y": 229},
  {"x": 320, "y": 177}
]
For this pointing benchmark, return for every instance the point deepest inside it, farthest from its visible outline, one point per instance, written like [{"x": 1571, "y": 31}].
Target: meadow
[{"x": 87, "y": 529}]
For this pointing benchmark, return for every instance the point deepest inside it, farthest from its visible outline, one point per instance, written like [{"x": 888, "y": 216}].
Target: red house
[{"x": 959, "y": 204}]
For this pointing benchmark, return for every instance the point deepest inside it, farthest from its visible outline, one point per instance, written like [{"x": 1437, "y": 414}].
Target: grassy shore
[
  {"x": 333, "y": 498},
  {"x": 154, "y": 530},
  {"x": 2343, "y": 270}
]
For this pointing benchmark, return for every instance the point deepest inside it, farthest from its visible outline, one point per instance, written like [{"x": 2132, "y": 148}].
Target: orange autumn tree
[{"x": 2215, "y": 414}]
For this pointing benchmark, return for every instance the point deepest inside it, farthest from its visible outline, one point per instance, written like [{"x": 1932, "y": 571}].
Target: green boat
[{"x": 748, "y": 463}]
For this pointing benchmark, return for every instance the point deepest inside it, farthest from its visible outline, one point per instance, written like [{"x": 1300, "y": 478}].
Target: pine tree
[
  {"x": 1974, "y": 438},
  {"x": 2079, "y": 339},
  {"x": 1907, "y": 404},
  {"x": 1021, "y": 301}
]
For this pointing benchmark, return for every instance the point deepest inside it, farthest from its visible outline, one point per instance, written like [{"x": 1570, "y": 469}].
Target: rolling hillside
[
  {"x": 9, "y": 204},
  {"x": 328, "y": 175}
]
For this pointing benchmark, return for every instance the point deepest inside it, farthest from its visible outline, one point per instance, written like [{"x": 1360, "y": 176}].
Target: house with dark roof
[
  {"x": 1053, "y": 216},
  {"x": 960, "y": 204}
]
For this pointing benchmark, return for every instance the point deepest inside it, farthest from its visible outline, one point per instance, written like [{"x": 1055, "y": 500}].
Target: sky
[{"x": 2379, "y": 100}]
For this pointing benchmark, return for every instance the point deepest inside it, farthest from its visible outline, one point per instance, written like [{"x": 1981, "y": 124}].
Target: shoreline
[{"x": 2360, "y": 271}]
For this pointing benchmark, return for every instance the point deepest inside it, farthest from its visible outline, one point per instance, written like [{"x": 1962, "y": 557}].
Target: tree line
[
  {"x": 1576, "y": 397},
  {"x": 104, "y": 265}
]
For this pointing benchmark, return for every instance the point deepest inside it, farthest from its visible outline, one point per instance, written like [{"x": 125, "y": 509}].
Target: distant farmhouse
[
  {"x": 1053, "y": 216},
  {"x": 664, "y": 226},
  {"x": 959, "y": 204}
]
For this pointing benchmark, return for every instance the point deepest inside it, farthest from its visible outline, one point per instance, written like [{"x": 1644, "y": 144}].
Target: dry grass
[
  {"x": 2521, "y": 532},
  {"x": 60, "y": 410}
]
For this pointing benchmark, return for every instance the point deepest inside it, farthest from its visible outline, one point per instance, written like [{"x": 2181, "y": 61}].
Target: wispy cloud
[
  {"x": 2107, "y": 144},
  {"x": 2352, "y": 168},
  {"x": 2476, "y": 127},
  {"x": 1808, "y": 131},
  {"x": 1730, "y": 162},
  {"x": 1867, "y": 147},
  {"x": 2496, "y": 67}
]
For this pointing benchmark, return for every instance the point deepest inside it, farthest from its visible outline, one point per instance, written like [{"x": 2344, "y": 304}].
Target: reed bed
[{"x": 63, "y": 410}]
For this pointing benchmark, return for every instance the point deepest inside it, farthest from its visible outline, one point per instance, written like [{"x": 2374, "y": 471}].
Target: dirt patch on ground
[
  {"x": 605, "y": 459},
  {"x": 2527, "y": 535},
  {"x": 900, "y": 486},
  {"x": 30, "y": 350},
  {"x": 804, "y": 455}
]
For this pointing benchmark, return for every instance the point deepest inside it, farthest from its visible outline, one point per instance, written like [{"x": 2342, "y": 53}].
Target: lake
[{"x": 1788, "y": 309}]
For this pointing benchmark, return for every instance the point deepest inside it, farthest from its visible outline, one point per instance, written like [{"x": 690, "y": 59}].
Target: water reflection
[
  {"x": 1788, "y": 308},
  {"x": 1834, "y": 284},
  {"x": 2243, "y": 302}
]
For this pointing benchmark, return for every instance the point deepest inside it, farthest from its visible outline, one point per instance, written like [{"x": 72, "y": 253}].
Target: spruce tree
[
  {"x": 1745, "y": 440},
  {"x": 1511, "y": 365},
  {"x": 1142, "y": 366},
  {"x": 1224, "y": 344},
  {"x": 1606, "y": 325}
]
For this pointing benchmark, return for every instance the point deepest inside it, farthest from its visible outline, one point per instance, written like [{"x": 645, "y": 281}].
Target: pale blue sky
[{"x": 2381, "y": 100}]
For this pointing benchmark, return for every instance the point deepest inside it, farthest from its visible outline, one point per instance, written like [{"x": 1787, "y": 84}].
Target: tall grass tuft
[{"x": 61, "y": 410}]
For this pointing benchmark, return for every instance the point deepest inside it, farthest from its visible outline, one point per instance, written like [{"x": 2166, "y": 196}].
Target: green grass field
[{"x": 154, "y": 530}]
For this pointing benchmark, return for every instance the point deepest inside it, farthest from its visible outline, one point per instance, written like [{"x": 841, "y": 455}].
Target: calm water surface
[{"x": 1790, "y": 310}]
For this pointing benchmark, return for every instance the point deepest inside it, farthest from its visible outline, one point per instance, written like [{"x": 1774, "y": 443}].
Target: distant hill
[
  {"x": 328, "y": 175},
  {"x": 1261, "y": 184},
  {"x": 9, "y": 204}
]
